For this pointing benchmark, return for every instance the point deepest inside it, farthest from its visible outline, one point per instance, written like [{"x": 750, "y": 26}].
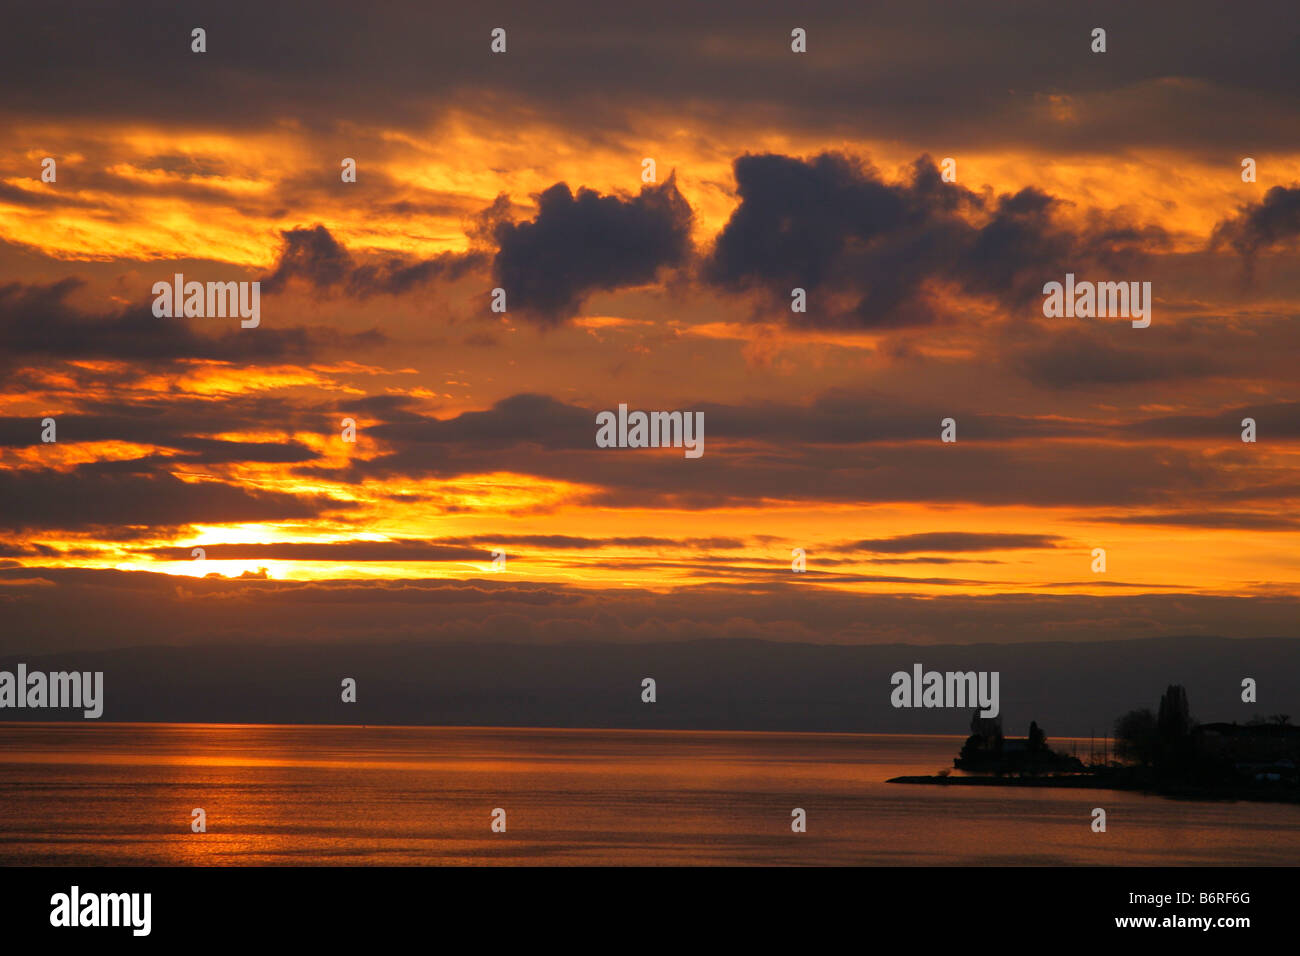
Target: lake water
[{"x": 115, "y": 794}]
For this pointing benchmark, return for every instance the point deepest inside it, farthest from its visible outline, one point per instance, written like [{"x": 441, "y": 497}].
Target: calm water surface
[{"x": 114, "y": 794}]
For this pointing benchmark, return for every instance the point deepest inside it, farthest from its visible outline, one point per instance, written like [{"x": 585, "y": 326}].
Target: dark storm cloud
[
  {"x": 795, "y": 217},
  {"x": 193, "y": 450},
  {"x": 215, "y": 451},
  {"x": 38, "y": 320},
  {"x": 13, "y": 550},
  {"x": 1047, "y": 474},
  {"x": 833, "y": 418},
  {"x": 573, "y": 246},
  {"x": 770, "y": 452},
  {"x": 1243, "y": 520},
  {"x": 389, "y": 408},
  {"x": 78, "y": 608},
  {"x": 840, "y": 416},
  {"x": 89, "y": 172},
  {"x": 520, "y": 419},
  {"x": 46, "y": 199},
  {"x": 103, "y": 495},
  {"x": 1088, "y": 358},
  {"x": 952, "y": 541},
  {"x": 1261, "y": 226},
  {"x": 182, "y": 424},
  {"x": 899, "y": 70},
  {"x": 588, "y": 243},
  {"x": 830, "y": 222},
  {"x": 314, "y": 256},
  {"x": 1274, "y": 420}
]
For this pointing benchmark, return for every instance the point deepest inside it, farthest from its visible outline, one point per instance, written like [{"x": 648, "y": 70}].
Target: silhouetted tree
[
  {"x": 1136, "y": 737},
  {"x": 1037, "y": 739},
  {"x": 1174, "y": 728},
  {"x": 1175, "y": 719}
]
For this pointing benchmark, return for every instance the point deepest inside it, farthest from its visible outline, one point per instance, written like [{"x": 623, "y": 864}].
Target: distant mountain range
[{"x": 1071, "y": 689}]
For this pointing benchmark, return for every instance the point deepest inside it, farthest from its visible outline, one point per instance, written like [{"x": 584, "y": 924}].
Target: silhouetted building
[{"x": 1267, "y": 753}]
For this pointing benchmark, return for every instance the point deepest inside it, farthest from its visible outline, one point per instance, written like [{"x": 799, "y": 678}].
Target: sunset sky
[{"x": 475, "y": 431}]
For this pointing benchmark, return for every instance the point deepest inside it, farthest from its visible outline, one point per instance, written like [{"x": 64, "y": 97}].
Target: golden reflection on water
[{"x": 115, "y": 794}]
